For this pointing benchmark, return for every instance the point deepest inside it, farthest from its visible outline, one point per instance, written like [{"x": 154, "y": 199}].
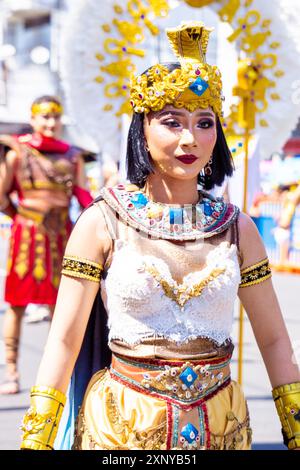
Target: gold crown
[
  {"x": 195, "y": 85},
  {"x": 47, "y": 107}
]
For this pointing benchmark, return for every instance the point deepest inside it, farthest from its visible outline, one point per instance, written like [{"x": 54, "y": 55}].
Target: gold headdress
[
  {"x": 46, "y": 107},
  {"x": 195, "y": 85}
]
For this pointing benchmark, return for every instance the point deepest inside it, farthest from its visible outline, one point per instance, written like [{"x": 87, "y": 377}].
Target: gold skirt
[{"x": 162, "y": 405}]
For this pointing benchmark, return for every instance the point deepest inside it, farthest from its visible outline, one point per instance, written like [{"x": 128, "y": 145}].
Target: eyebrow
[{"x": 178, "y": 113}]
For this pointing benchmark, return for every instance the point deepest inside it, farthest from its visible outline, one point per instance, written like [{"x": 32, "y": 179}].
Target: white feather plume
[{"x": 83, "y": 38}]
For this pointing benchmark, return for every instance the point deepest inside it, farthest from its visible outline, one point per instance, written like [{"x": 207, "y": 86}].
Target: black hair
[{"x": 138, "y": 161}]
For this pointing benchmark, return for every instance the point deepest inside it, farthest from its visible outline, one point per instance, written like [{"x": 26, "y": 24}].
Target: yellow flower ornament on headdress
[{"x": 195, "y": 85}]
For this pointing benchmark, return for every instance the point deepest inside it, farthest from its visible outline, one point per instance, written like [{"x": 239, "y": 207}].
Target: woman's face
[{"x": 180, "y": 142}]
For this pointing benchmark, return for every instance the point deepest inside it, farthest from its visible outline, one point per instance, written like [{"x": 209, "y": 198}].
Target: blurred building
[{"x": 29, "y": 37}]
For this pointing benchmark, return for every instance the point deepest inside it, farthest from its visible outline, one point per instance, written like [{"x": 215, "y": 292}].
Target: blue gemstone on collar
[
  {"x": 189, "y": 432},
  {"x": 176, "y": 216},
  {"x": 188, "y": 376},
  {"x": 199, "y": 86},
  {"x": 208, "y": 210},
  {"x": 139, "y": 200}
]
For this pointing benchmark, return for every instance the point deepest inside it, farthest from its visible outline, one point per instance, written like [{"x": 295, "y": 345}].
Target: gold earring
[{"x": 207, "y": 168}]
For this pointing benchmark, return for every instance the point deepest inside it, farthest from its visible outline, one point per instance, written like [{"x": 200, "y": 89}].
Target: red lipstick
[{"x": 187, "y": 159}]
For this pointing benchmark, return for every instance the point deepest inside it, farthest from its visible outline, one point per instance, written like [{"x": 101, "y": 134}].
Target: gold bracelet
[
  {"x": 40, "y": 422},
  {"x": 287, "y": 401}
]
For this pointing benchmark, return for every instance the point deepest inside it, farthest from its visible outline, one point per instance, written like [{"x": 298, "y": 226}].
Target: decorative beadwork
[
  {"x": 188, "y": 222},
  {"x": 82, "y": 268},
  {"x": 189, "y": 437},
  {"x": 188, "y": 377},
  {"x": 256, "y": 273},
  {"x": 187, "y": 382},
  {"x": 175, "y": 414},
  {"x": 202, "y": 427}
]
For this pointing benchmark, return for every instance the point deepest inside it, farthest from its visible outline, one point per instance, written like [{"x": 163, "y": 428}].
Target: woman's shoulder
[
  {"x": 90, "y": 238},
  {"x": 92, "y": 218},
  {"x": 246, "y": 225},
  {"x": 251, "y": 244}
]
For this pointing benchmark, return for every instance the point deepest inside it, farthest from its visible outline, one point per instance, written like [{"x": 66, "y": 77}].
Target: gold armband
[
  {"x": 80, "y": 267},
  {"x": 41, "y": 420},
  {"x": 256, "y": 273},
  {"x": 287, "y": 401}
]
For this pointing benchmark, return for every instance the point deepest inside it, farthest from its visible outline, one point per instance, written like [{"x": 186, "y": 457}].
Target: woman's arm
[
  {"x": 82, "y": 194},
  {"x": 8, "y": 166},
  {"x": 264, "y": 312},
  {"x": 261, "y": 304},
  {"x": 85, "y": 256},
  {"x": 80, "y": 172},
  {"x": 89, "y": 241},
  {"x": 7, "y": 173}
]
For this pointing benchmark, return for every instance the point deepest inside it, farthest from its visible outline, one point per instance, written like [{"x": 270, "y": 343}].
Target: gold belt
[
  {"x": 185, "y": 382},
  {"x": 39, "y": 217}
]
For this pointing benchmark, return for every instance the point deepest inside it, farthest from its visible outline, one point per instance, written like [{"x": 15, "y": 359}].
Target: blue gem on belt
[
  {"x": 188, "y": 376},
  {"x": 189, "y": 432}
]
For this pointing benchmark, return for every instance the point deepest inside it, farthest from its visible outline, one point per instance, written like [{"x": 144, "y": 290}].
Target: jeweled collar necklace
[{"x": 188, "y": 222}]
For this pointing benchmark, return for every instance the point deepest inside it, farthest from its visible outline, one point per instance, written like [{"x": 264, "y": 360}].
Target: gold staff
[{"x": 248, "y": 78}]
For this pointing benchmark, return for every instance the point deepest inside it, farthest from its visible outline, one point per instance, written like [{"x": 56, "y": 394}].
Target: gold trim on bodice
[{"x": 181, "y": 293}]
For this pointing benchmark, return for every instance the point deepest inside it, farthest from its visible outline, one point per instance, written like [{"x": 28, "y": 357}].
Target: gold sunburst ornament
[{"x": 195, "y": 85}]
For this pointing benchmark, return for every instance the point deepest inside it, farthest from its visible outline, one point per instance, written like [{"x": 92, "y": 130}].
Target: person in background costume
[
  {"x": 45, "y": 172},
  {"x": 282, "y": 232},
  {"x": 151, "y": 272}
]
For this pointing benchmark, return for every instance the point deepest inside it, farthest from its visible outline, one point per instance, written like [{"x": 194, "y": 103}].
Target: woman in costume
[
  {"x": 44, "y": 172},
  {"x": 170, "y": 260}
]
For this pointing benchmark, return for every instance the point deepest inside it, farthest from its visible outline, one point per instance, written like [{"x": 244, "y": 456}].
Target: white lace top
[{"x": 143, "y": 300}]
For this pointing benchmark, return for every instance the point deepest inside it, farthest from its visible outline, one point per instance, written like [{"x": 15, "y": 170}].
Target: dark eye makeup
[{"x": 203, "y": 123}]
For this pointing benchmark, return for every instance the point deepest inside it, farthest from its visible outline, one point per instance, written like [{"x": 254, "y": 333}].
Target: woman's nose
[{"x": 187, "y": 137}]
